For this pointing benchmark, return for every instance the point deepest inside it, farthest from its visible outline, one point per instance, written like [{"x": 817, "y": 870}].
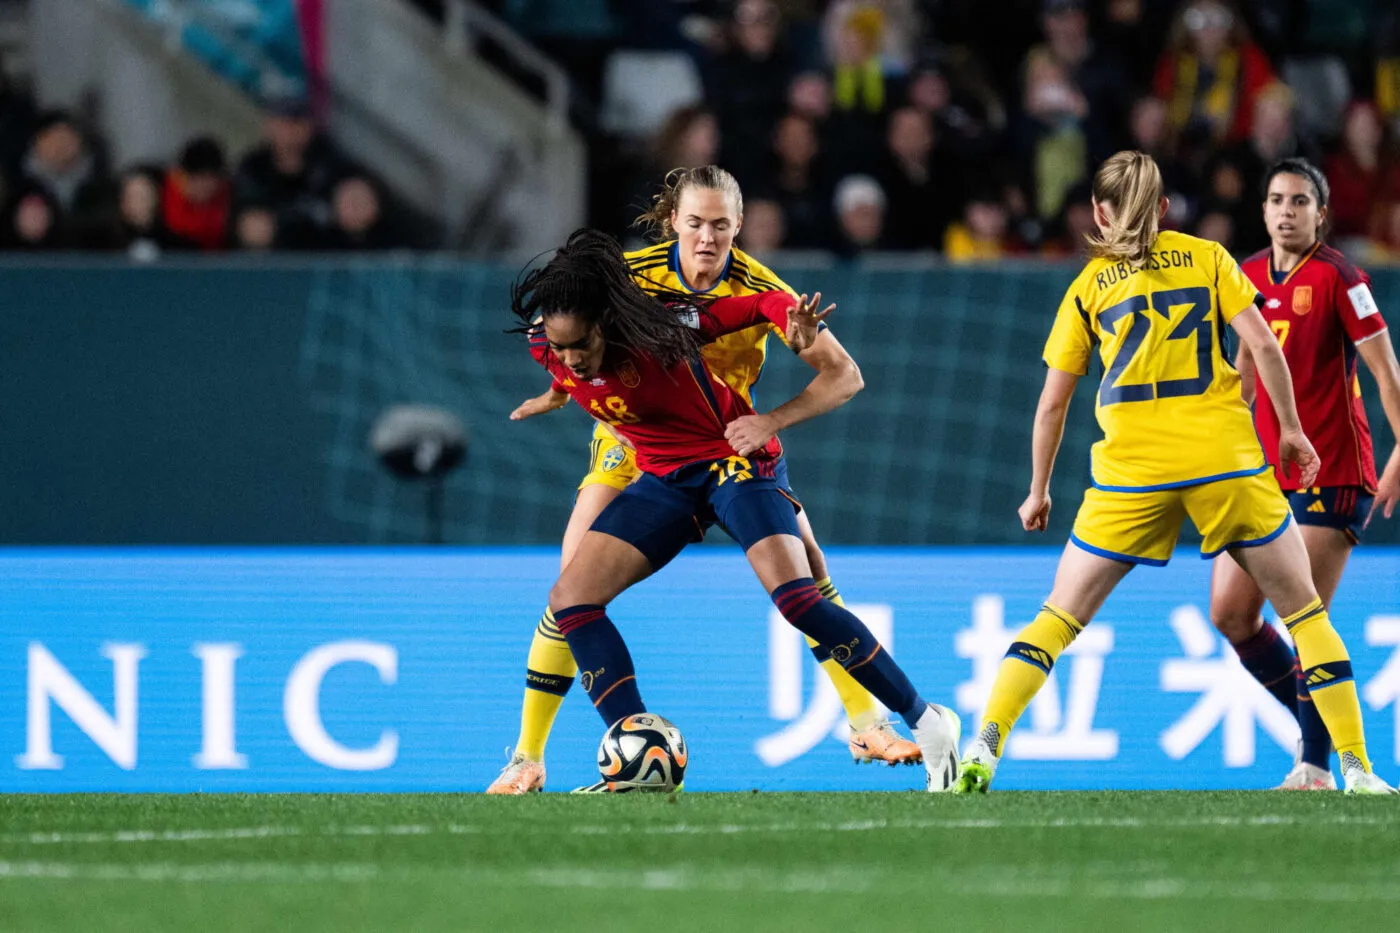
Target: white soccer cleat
[
  {"x": 1308, "y": 777},
  {"x": 979, "y": 765},
  {"x": 603, "y": 787},
  {"x": 623, "y": 787},
  {"x": 1361, "y": 782},
  {"x": 522, "y": 776},
  {"x": 937, "y": 733}
]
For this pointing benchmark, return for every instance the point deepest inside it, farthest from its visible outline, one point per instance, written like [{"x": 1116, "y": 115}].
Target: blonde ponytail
[
  {"x": 1131, "y": 183},
  {"x": 657, "y": 218}
]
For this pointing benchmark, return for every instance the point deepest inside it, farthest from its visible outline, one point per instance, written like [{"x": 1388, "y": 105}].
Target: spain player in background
[
  {"x": 696, "y": 218},
  {"x": 1320, "y": 308},
  {"x": 1178, "y": 441}
]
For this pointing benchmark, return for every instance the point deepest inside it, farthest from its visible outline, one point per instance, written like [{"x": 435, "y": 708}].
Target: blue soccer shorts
[
  {"x": 1342, "y": 507},
  {"x": 660, "y": 515}
]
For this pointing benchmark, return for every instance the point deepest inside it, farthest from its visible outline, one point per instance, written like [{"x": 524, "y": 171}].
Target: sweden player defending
[
  {"x": 697, "y": 217},
  {"x": 1178, "y": 441},
  {"x": 633, "y": 363},
  {"x": 1320, "y": 308}
]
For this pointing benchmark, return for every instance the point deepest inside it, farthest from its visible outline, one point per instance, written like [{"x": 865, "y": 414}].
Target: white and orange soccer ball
[{"x": 642, "y": 752}]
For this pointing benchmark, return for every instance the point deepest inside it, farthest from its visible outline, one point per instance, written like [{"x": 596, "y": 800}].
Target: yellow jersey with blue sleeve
[
  {"x": 737, "y": 358},
  {"x": 1169, "y": 401}
]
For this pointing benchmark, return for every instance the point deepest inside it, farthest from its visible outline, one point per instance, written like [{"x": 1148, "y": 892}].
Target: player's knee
[
  {"x": 1237, "y": 623},
  {"x": 564, "y": 594}
]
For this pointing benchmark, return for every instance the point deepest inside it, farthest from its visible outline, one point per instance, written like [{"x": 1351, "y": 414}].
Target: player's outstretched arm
[
  {"x": 1294, "y": 448},
  {"x": 1049, "y": 429},
  {"x": 1380, "y": 360},
  {"x": 838, "y": 379},
  {"x": 548, "y": 401},
  {"x": 796, "y": 317}
]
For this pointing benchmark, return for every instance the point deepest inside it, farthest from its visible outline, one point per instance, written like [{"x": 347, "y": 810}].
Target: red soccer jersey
[
  {"x": 1320, "y": 311},
  {"x": 672, "y": 416}
]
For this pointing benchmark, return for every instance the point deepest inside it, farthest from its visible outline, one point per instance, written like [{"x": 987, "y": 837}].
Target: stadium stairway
[{"x": 455, "y": 140}]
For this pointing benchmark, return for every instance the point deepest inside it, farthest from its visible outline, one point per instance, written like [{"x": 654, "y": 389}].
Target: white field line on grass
[
  {"x": 1039, "y": 884},
  {"x": 683, "y": 829}
]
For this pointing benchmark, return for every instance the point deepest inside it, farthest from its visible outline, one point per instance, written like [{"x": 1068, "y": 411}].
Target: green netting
[{"x": 934, "y": 451}]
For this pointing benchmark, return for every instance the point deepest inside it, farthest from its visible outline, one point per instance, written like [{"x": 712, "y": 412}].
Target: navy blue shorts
[
  {"x": 660, "y": 515},
  {"x": 1342, "y": 507}
]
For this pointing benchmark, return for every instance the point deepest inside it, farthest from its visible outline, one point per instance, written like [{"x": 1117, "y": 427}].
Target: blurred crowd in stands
[
  {"x": 965, "y": 128},
  {"x": 971, "y": 128},
  {"x": 293, "y": 191}
]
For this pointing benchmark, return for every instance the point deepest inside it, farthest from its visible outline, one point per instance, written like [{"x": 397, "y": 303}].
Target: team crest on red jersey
[
  {"x": 627, "y": 374},
  {"x": 1302, "y": 300}
]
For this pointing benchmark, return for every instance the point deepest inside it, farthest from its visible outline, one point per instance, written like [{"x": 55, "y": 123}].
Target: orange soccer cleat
[
  {"x": 521, "y": 776},
  {"x": 882, "y": 743}
]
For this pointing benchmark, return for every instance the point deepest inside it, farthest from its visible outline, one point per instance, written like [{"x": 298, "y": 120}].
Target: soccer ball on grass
[{"x": 642, "y": 752}]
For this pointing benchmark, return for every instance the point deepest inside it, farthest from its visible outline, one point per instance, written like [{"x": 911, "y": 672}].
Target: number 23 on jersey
[{"x": 1146, "y": 346}]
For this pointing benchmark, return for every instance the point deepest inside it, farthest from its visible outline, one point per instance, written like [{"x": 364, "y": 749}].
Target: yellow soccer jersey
[
  {"x": 736, "y": 358},
  {"x": 1169, "y": 402}
]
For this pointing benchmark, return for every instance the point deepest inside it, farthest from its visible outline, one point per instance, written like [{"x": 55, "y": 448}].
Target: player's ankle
[{"x": 863, "y": 722}]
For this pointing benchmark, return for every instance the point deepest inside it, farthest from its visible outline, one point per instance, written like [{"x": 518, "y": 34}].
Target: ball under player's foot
[
  {"x": 937, "y": 733},
  {"x": 621, "y": 787},
  {"x": 882, "y": 743},
  {"x": 1359, "y": 781},
  {"x": 521, "y": 776},
  {"x": 979, "y": 765}
]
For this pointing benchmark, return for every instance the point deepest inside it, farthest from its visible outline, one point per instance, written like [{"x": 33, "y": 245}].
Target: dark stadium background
[
  {"x": 197, "y": 345},
  {"x": 237, "y": 694}
]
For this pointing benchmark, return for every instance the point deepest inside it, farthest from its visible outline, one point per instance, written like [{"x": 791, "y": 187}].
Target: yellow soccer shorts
[
  {"x": 1142, "y": 527},
  {"x": 609, "y": 464}
]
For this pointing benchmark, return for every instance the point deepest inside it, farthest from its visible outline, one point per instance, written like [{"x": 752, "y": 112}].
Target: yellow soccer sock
[
  {"x": 1024, "y": 670},
  {"x": 862, "y": 709},
  {"x": 1327, "y": 673},
  {"x": 549, "y": 674}
]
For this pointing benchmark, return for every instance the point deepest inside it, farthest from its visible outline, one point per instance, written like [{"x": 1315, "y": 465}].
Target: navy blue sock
[
  {"x": 604, "y": 663},
  {"x": 1317, "y": 741},
  {"x": 1270, "y": 659},
  {"x": 851, "y": 644}
]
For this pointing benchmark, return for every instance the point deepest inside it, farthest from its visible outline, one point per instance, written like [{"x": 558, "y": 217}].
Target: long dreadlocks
[{"x": 588, "y": 277}]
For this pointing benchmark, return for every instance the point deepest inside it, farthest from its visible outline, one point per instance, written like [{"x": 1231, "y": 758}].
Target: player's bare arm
[
  {"x": 1295, "y": 450},
  {"x": 1244, "y": 365},
  {"x": 1379, "y": 357},
  {"x": 837, "y": 381},
  {"x": 541, "y": 404},
  {"x": 1049, "y": 429}
]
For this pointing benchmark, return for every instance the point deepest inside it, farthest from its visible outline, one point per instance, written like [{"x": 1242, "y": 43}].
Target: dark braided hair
[{"x": 588, "y": 278}]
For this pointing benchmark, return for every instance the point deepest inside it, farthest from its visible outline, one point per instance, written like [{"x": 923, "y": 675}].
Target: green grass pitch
[{"x": 731, "y": 862}]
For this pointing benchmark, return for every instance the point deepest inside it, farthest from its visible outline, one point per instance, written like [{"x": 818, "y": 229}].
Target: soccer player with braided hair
[
  {"x": 695, "y": 219},
  {"x": 632, "y": 361}
]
